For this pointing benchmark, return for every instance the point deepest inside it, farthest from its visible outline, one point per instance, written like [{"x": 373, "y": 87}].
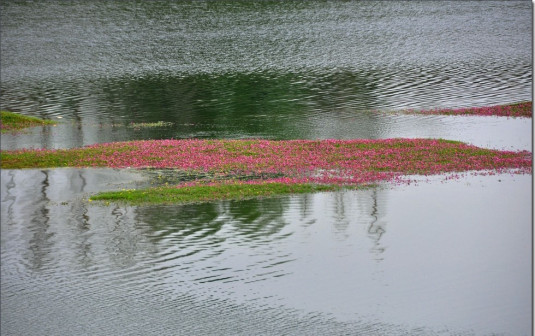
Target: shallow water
[{"x": 440, "y": 257}]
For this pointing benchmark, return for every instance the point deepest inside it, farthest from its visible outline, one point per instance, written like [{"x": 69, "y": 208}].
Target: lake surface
[
  {"x": 269, "y": 69},
  {"x": 437, "y": 257}
]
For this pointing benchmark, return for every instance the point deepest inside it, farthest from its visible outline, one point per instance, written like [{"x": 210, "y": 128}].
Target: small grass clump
[
  {"x": 150, "y": 124},
  {"x": 13, "y": 121},
  {"x": 210, "y": 192}
]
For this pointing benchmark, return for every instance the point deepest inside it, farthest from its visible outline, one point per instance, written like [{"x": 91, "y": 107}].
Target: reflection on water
[
  {"x": 377, "y": 226},
  {"x": 490, "y": 132},
  {"x": 277, "y": 70},
  {"x": 343, "y": 261},
  {"x": 261, "y": 105}
]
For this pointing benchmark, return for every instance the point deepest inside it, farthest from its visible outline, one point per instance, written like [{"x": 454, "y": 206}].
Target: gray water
[{"x": 437, "y": 257}]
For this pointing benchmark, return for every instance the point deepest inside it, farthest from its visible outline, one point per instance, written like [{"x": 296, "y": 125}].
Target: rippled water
[
  {"x": 434, "y": 258},
  {"x": 258, "y": 69}
]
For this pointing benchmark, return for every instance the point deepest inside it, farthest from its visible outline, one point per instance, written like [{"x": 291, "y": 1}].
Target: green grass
[
  {"x": 41, "y": 159},
  {"x": 14, "y": 121},
  {"x": 207, "y": 193}
]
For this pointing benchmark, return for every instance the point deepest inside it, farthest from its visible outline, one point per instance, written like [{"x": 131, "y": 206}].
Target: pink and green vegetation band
[
  {"x": 293, "y": 166},
  {"x": 523, "y": 109},
  {"x": 333, "y": 161}
]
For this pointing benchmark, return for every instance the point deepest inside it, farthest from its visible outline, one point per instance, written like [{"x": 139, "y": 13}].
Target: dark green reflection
[
  {"x": 237, "y": 105},
  {"x": 258, "y": 218},
  {"x": 250, "y": 219},
  {"x": 181, "y": 222}
]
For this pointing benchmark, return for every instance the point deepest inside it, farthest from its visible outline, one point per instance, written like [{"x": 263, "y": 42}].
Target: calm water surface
[{"x": 433, "y": 258}]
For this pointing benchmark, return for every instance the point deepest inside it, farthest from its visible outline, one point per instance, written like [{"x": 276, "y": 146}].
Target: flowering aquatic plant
[
  {"x": 270, "y": 164},
  {"x": 523, "y": 109},
  {"x": 332, "y": 161}
]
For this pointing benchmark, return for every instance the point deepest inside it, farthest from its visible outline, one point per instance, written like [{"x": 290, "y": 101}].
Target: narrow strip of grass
[
  {"x": 13, "y": 121},
  {"x": 515, "y": 110},
  {"x": 150, "y": 124},
  {"x": 207, "y": 193}
]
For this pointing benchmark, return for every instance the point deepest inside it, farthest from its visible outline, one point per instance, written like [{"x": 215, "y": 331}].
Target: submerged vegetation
[
  {"x": 522, "y": 109},
  {"x": 292, "y": 166},
  {"x": 13, "y": 121},
  {"x": 150, "y": 125}
]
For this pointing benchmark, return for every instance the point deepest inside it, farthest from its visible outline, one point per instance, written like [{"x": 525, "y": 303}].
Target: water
[
  {"x": 331, "y": 263},
  {"x": 434, "y": 258},
  {"x": 491, "y": 132},
  {"x": 258, "y": 69}
]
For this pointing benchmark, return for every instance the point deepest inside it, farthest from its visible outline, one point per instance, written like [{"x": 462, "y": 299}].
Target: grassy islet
[{"x": 11, "y": 121}]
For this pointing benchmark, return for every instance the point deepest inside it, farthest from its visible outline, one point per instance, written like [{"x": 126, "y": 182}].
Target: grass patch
[
  {"x": 13, "y": 121},
  {"x": 207, "y": 193}
]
